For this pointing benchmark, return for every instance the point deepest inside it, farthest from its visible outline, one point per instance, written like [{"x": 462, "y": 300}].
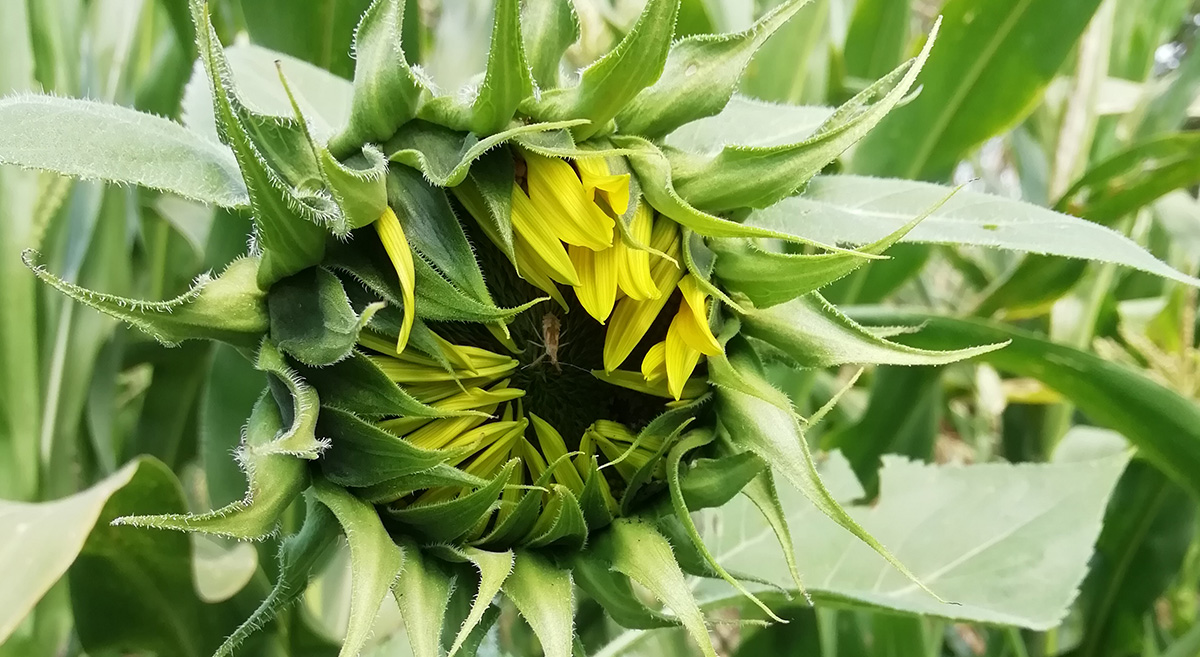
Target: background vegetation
[{"x": 1083, "y": 106}]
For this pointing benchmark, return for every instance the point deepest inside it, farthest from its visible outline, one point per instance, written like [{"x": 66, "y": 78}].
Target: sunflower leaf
[
  {"x": 757, "y": 177},
  {"x": 274, "y": 482},
  {"x": 375, "y": 561},
  {"x": 542, "y": 594},
  {"x": 613, "y": 80},
  {"x": 813, "y": 333},
  {"x": 548, "y": 27},
  {"x": 96, "y": 141},
  {"x": 700, "y": 76},
  {"x": 386, "y": 90},
  {"x": 423, "y": 593},
  {"x": 230, "y": 308}
]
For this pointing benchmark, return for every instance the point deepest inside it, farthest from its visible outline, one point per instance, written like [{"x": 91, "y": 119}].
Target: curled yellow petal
[
  {"x": 632, "y": 318},
  {"x": 654, "y": 365},
  {"x": 391, "y": 233},
  {"x": 633, "y": 265},
  {"x": 535, "y": 271},
  {"x": 536, "y": 231},
  {"x": 681, "y": 357},
  {"x": 597, "y": 289},
  {"x": 597, "y": 178},
  {"x": 560, "y": 200},
  {"x": 693, "y": 311}
]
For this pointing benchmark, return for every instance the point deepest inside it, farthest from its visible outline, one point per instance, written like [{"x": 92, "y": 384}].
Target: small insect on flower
[{"x": 551, "y": 340}]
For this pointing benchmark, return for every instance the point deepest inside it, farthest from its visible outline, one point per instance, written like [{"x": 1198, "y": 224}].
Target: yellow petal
[
  {"x": 694, "y": 308},
  {"x": 632, "y": 318},
  {"x": 539, "y": 236},
  {"x": 396, "y": 245},
  {"x": 633, "y": 265},
  {"x": 692, "y": 388},
  {"x": 654, "y": 365},
  {"x": 681, "y": 358},
  {"x": 597, "y": 177},
  {"x": 535, "y": 271},
  {"x": 561, "y": 202},
  {"x": 597, "y": 289}
]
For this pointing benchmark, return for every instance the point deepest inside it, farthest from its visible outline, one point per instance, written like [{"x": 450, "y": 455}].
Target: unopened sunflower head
[{"x": 514, "y": 333}]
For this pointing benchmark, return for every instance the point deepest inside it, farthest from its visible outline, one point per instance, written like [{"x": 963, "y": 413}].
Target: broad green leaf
[
  {"x": 613, "y": 80},
  {"x": 296, "y": 400},
  {"x": 445, "y": 155},
  {"x": 989, "y": 46},
  {"x": 312, "y": 30},
  {"x": 508, "y": 80},
  {"x": 548, "y": 27},
  {"x": 965, "y": 531},
  {"x": 542, "y": 593},
  {"x": 795, "y": 66},
  {"x": 813, "y": 333},
  {"x": 96, "y": 141},
  {"x": 299, "y": 556},
  {"x": 859, "y": 210},
  {"x": 877, "y": 37},
  {"x": 758, "y": 176},
  {"x": 132, "y": 589},
  {"x": 386, "y": 90},
  {"x": 1164, "y": 426},
  {"x": 749, "y": 122},
  {"x": 635, "y": 549},
  {"x": 375, "y": 561},
  {"x": 423, "y": 592},
  {"x": 1149, "y": 525},
  {"x": 323, "y": 97},
  {"x": 699, "y": 77},
  {"x": 288, "y": 229},
  {"x": 759, "y": 418},
  {"x": 1110, "y": 190},
  {"x": 230, "y": 308},
  {"x": 43, "y": 539},
  {"x": 274, "y": 481},
  {"x": 311, "y": 318},
  {"x": 221, "y": 571}
]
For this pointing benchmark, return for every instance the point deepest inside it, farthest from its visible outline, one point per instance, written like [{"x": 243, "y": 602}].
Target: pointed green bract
[
  {"x": 375, "y": 561},
  {"x": 609, "y": 83},
  {"x": 759, "y": 418},
  {"x": 700, "y": 76},
  {"x": 814, "y": 333},
  {"x": 274, "y": 482},
  {"x": 542, "y": 593},
  {"x": 96, "y": 141},
  {"x": 297, "y": 399},
  {"x": 494, "y": 568},
  {"x": 423, "y": 593},
  {"x": 300, "y": 555},
  {"x": 486, "y": 193},
  {"x": 361, "y": 454},
  {"x": 757, "y": 177},
  {"x": 230, "y": 308},
  {"x": 614, "y": 592},
  {"x": 636, "y": 549},
  {"x": 386, "y": 90},
  {"x": 761, "y": 491},
  {"x": 358, "y": 186},
  {"x": 548, "y": 28},
  {"x": 286, "y": 223},
  {"x": 311, "y": 318},
  {"x": 507, "y": 81},
  {"x": 447, "y": 521},
  {"x": 357, "y": 385}
]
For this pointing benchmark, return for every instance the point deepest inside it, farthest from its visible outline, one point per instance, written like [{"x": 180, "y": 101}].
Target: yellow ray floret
[
  {"x": 538, "y": 234},
  {"x": 681, "y": 358},
  {"x": 598, "y": 180},
  {"x": 633, "y": 265},
  {"x": 396, "y": 245},
  {"x": 597, "y": 289},
  {"x": 562, "y": 204},
  {"x": 693, "y": 318},
  {"x": 632, "y": 318},
  {"x": 654, "y": 365}
]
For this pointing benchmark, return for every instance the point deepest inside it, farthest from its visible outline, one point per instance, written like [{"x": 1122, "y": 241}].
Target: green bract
[{"x": 517, "y": 332}]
